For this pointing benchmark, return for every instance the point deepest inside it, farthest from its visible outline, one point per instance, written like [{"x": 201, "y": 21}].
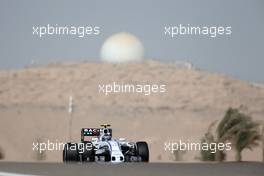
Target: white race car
[{"x": 97, "y": 145}]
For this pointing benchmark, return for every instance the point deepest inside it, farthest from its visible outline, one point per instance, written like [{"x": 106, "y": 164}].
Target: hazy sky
[{"x": 239, "y": 55}]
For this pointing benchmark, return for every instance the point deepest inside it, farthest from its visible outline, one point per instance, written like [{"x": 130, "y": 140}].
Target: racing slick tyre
[
  {"x": 127, "y": 158},
  {"x": 143, "y": 151},
  {"x": 88, "y": 154},
  {"x": 107, "y": 158},
  {"x": 70, "y": 152}
]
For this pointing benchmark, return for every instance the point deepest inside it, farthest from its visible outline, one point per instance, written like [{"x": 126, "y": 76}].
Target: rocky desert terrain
[{"x": 34, "y": 105}]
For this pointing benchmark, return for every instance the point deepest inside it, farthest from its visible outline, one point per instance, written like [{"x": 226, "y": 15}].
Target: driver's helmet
[{"x": 106, "y": 135}]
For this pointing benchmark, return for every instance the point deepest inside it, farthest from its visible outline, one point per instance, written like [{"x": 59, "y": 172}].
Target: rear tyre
[
  {"x": 70, "y": 153},
  {"x": 143, "y": 151},
  {"x": 88, "y": 154}
]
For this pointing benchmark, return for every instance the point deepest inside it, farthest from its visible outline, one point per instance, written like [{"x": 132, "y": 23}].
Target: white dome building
[{"x": 121, "y": 48}]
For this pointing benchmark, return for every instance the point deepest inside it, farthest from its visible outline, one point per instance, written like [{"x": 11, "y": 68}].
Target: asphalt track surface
[{"x": 132, "y": 169}]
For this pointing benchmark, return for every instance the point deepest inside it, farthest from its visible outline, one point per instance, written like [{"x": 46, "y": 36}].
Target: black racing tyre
[
  {"x": 107, "y": 158},
  {"x": 127, "y": 158},
  {"x": 143, "y": 151},
  {"x": 70, "y": 153},
  {"x": 88, "y": 154}
]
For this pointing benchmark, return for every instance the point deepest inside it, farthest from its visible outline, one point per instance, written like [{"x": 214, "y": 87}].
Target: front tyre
[{"x": 143, "y": 151}]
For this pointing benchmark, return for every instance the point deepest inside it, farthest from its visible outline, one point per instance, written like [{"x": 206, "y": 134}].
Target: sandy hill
[{"x": 34, "y": 105}]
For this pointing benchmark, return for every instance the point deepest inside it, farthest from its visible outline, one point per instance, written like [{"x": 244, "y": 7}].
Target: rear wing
[{"x": 88, "y": 133}]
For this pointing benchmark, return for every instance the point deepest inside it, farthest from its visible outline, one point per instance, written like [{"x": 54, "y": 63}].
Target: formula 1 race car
[{"x": 97, "y": 145}]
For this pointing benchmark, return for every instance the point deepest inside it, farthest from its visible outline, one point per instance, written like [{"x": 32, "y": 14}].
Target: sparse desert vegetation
[{"x": 235, "y": 127}]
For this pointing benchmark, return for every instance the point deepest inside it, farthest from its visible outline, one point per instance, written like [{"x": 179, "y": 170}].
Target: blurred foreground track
[{"x": 134, "y": 169}]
